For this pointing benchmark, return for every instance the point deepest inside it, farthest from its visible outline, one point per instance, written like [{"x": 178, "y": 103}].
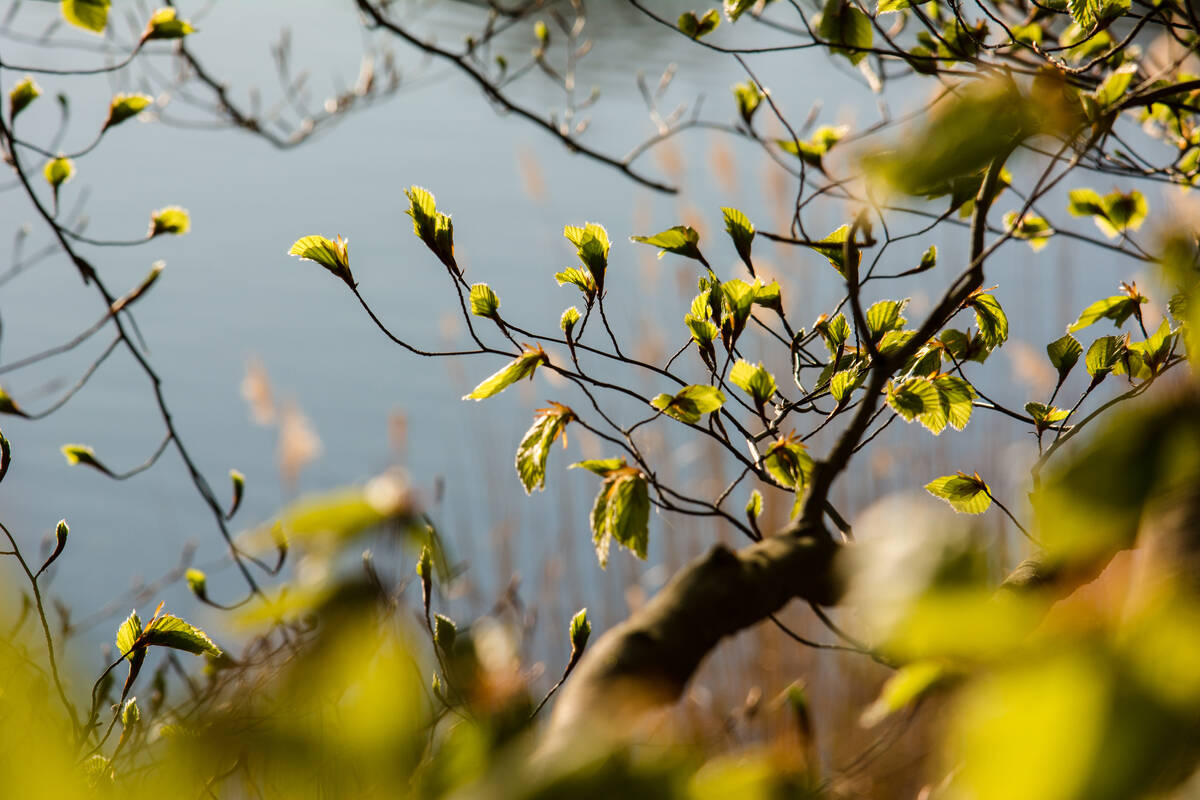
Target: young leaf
[
  {"x": 681, "y": 240},
  {"x": 127, "y": 635},
  {"x": 445, "y": 633},
  {"x": 579, "y": 631},
  {"x": 21, "y": 95},
  {"x": 239, "y": 491},
  {"x": 885, "y": 316},
  {"x": 754, "y": 505},
  {"x": 522, "y": 366},
  {"x": 197, "y": 583},
  {"x": 1113, "y": 213},
  {"x": 82, "y": 454},
  {"x": 621, "y": 512},
  {"x": 1031, "y": 228},
  {"x": 1063, "y": 354},
  {"x": 131, "y": 714},
  {"x": 9, "y": 406},
  {"x": 126, "y": 106},
  {"x": 579, "y": 278},
  {"x": 431, "y": 226},
  {"x": 600, "y": 466},
  {"x": 58, "y": 171},
  {"x": 754, "y": 380},
  {"x": 891, "y": 6},
  {"x": 821, "y": 142},
  {"x": 534, "y": 448},
  {"x": 741, "y": 231},
  {"x": 695, "y": 27},
  {"x": 171, "y": 631},
  {"x": 843, "y": 25},
  {"x": 748, "y": 98},
  {"x": 592, "y": 246},
  {"x": 788, "y": 462},
  {"x": 691, "y": 403},
  {"x": 958, "y": 399},
  {"x": 769, "y": 297},
  {"x": 833, "y": 248},
  {"x": 966, "y": 494},
  {"x": 835, "y": 332},
  {"x": 990, "y": 317},
  {"x": 332, "y": 255},
  {"x": 928, "y": 259},
  {"x": 843, "y": 383},
  {"x": 914, "y": 397},
  {"x": 907, "y": 685},
  {"x": 91, "y": 15},
  {"x": 484, "y": 302},
  {"x": 735, "y": 8},
  {"x": 1118, "y": 308},
  {"x": 1044, "y": 416},
  {"x": 1104, "y": 356},
  {"x": 568, "y": 320},
  {"x": 1112, "y": 89},
  {"x": 164, "y": 24},
  {"x": 171, "y": 219}
]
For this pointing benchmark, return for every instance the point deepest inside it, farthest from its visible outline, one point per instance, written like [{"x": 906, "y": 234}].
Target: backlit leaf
[
  {"x": 171, "y": 219},
  {"x": 534, "y": 448},
  {"x": 165, "y": 24},
  {"x": 126, "y": 106},
  {"x": 691, "y": 403},
  {"x": 966, "y": 494},
  {"x": 91, "y": 15},
  {"x": 21, "y": 95},
  {"x": 484, "y": 302},
  {"x": 522, "y": 366},
  {"x": 681, "y": 240},
  {"x": 171, "y": 631},
  {"x": 333, "y": 255}
]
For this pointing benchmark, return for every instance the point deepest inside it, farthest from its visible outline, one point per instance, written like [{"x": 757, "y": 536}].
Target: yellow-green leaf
[{"x": 522, "y": 366}]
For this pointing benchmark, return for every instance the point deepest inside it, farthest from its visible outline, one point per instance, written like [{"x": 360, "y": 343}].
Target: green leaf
[
  {"x": 579, "y": 278},
  {"x": 958, "y": 399},
  {"x": 695, "y": 27},
  {"x": 522, "y": 366},
  {"x": 735, "y": 8},
  {"x": 197, "y": 583},
  {"x": 332, "y": 255},
  {"x": 1112, "y": 89},
  {"x": 1155, "y": 351},
  {"x": 58, "y": 171},
  {"x": 907, "y": 685},
  {"x": 579, "y": 631},
  {"x": 962, "y": 346},
  {"x": 691, "y": 403},
  {"x": 1089, "y": 13},
  {"x": 843, "y": 383},
  {"x": 592, "y": 246},
  {"x": 740, "y": 230},
  {"x": 681, "y": 240},
  {"x": 788, "y": 462},
  {"x": 131, "y": 714},
  {"x": 1063, "y": 354},
  {"x": 621, "y": 512},
  {"x": 1104, "y": 356},
  {"x": 82, "y": 454},
  {"x": 847, "y": 28},
  {"x": 164, "y": 24},
  {"x": 171, "y": 631},
  {"x": 892, "y": 6},
  {"x": 1118, "y": 308},
  {"x": 990, "y": 318},
  {"x": 127, "y": 635},
  {"x": 754, "y": 505},
  {"x": 821, "y": 142},
  {"x": 568, "y": 320},
  {"x": 484, "y": 302},
  {"x": 126, "y": 106},
  {"x": 1113, "y": 213},
  {"x": 1033, "y": 229},
  {"x": 21, "y": 95},
  {"x": 431, "y": 226},
  {"x": 1044, "y": 416},
  {"x": 9, "y": 406},
  {"x": 171, "y": 219},
  {"x": 703, "y": 330},
  {"x": 600, "y": 466},
  {"x": 835, "y": 332},
  {"x": 754, "y": 380},
  {"x": 239, "y": 491},
  {"x": 966, "y": 494},
  {"x": 748, "y": 98},
  {"x": 833, "y": 248},
  {"x": 445, "y": 633},
  {"x": 548, "y": 424},
  {"x": 885, "y": 316},
  {"x": 916, "y": 398},
  {"x": 928, "y": 259},
  {"x": 91, "y": 15},
  {"x": 737, "y": 298}
]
